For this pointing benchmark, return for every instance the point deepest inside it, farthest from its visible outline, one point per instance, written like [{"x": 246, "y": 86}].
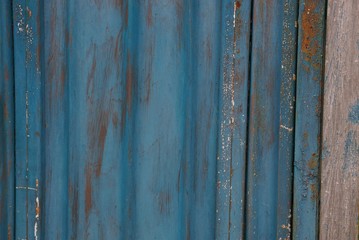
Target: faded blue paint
[
  {"x": 354, "y": 113},
  {"x": 167, "y": 119},
  {"x": 351, "y": 154}
]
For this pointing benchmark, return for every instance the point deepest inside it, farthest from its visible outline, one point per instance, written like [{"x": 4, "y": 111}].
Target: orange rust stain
[
  {"x": 310, "y": 30},
  {"x": 37, "y": 209},
  {"x": 6, "y": 73},
  {"x": 314, "y": 190},
  {"x": 6, "y": 111},
  {"x": 313, "y": 162},
  {"x": 118, "y": 3},
  {"x": 68, "y": 37},
  {"x": 29, "y": 12},
  {"x": 73, "y": 194},
  {"x": 126, "y": 16},
  {"x": 63, "y": 78},
  {"x": 237, "y": 5},
  {"x": 129, "y": 83},
  {"x": 88, "y": 192},
  {"x": 115, "y": 120},
  {"x": 102, "y": 138},
  {"x": 149, "y": 14},
  {"x": 91, "y": 76},
  {"x": 318, "y": 107},
  {"x": 38, "y": 55},
  {"x": 164, "y": 199},
  {"x": 117, "y": 52},
  {"x": 9, "y": 232},
  {"x": 179, "y": 15},
  {"x": 55, "y": 60}
]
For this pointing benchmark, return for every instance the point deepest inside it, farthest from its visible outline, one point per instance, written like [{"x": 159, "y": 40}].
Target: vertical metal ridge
[
  {"x": 7, "y": 123},
  {"x": 308, "y": 112},
  {"x": 232, "y": 130},
  {"x": 263, "y": 143},
  {"x": 287, "y": 119},
  {"x": 245, "y": 217}
]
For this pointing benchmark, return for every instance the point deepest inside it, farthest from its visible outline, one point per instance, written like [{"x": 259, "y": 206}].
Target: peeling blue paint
[
  {"x": 354, "y": 113},
  {"x": 351, "y": 153}
]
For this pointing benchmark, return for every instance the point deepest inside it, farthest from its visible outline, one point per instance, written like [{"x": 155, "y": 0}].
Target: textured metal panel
[{"x": 168, "y": 119}]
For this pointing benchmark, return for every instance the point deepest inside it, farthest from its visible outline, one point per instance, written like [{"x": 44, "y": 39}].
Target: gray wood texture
[{"x": 340, "y": 149}]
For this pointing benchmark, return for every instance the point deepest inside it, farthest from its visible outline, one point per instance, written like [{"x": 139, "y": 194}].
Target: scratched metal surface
[{"x": 167, "y": 119}]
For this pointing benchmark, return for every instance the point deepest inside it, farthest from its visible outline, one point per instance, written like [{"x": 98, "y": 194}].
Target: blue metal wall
[{"x": 160, "y": 119}]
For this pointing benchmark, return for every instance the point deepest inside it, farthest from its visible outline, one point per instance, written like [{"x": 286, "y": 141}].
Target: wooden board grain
[{"x": 340, "y": 155}]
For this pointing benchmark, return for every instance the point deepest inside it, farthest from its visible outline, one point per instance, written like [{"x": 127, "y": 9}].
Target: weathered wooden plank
[
  {"x": 287, "y": 111},
  {"x": 7, "y": 160},
  {"x": 340, "y": 155},
  {"x": 308, "y": 119},
  {"x": 263, "y": 145},
  {"x": 232, "y": 128}
]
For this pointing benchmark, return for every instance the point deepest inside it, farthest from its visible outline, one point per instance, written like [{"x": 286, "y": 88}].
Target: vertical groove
[
  {"x": 67, "y": 113},
  {"x": 321, "y": 120},
  {"x": 245, "y": 217},
  {"x": 11, "y": 10},
  {"x": 295, "y": 115},
  {"x": 27, "y": 129}
]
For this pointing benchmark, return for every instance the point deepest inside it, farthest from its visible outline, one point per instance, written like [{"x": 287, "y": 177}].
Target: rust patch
[
  {"x": 102, "y": 138},
  {"x": 148, "y": 80},
  {"x": 55, "y": 62},
  {"x": 314, "y": 191},
  {"x": 73, "y": 194},
  {"x": 9, "y": 232},
  {"x": 208, "y": 50},
  {"x": 129, "y": 83},
  {"x": 164, "y": 200},
  {"x": 37, "y": 210},
  {"x": 29, "y": 12},
  {"x": 38, "y": 57},
  {"x": 126, "y": 16},
  {"x": 88, "y": 192},
  {"x": 180, "y": 17},
  {"x": 110, "y": 3},
  {"x": 313, "y": 162},
  {"x": 115, "y": 120},
  {"x": 237, "y": 5},
  {"x": 117, "y": 52},
  {"x": 6, "y": 110},
  {"x": 91, "y": 76},
  {"x": 149, "y": 14},
  {"x": 6, "y": 73},
  {"x": 310, "y": 30},
  {"x": 68, "y": 37}
]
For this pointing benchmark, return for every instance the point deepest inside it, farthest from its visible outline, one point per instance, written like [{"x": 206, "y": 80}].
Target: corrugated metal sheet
[{"x": 166, "y": 119}]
